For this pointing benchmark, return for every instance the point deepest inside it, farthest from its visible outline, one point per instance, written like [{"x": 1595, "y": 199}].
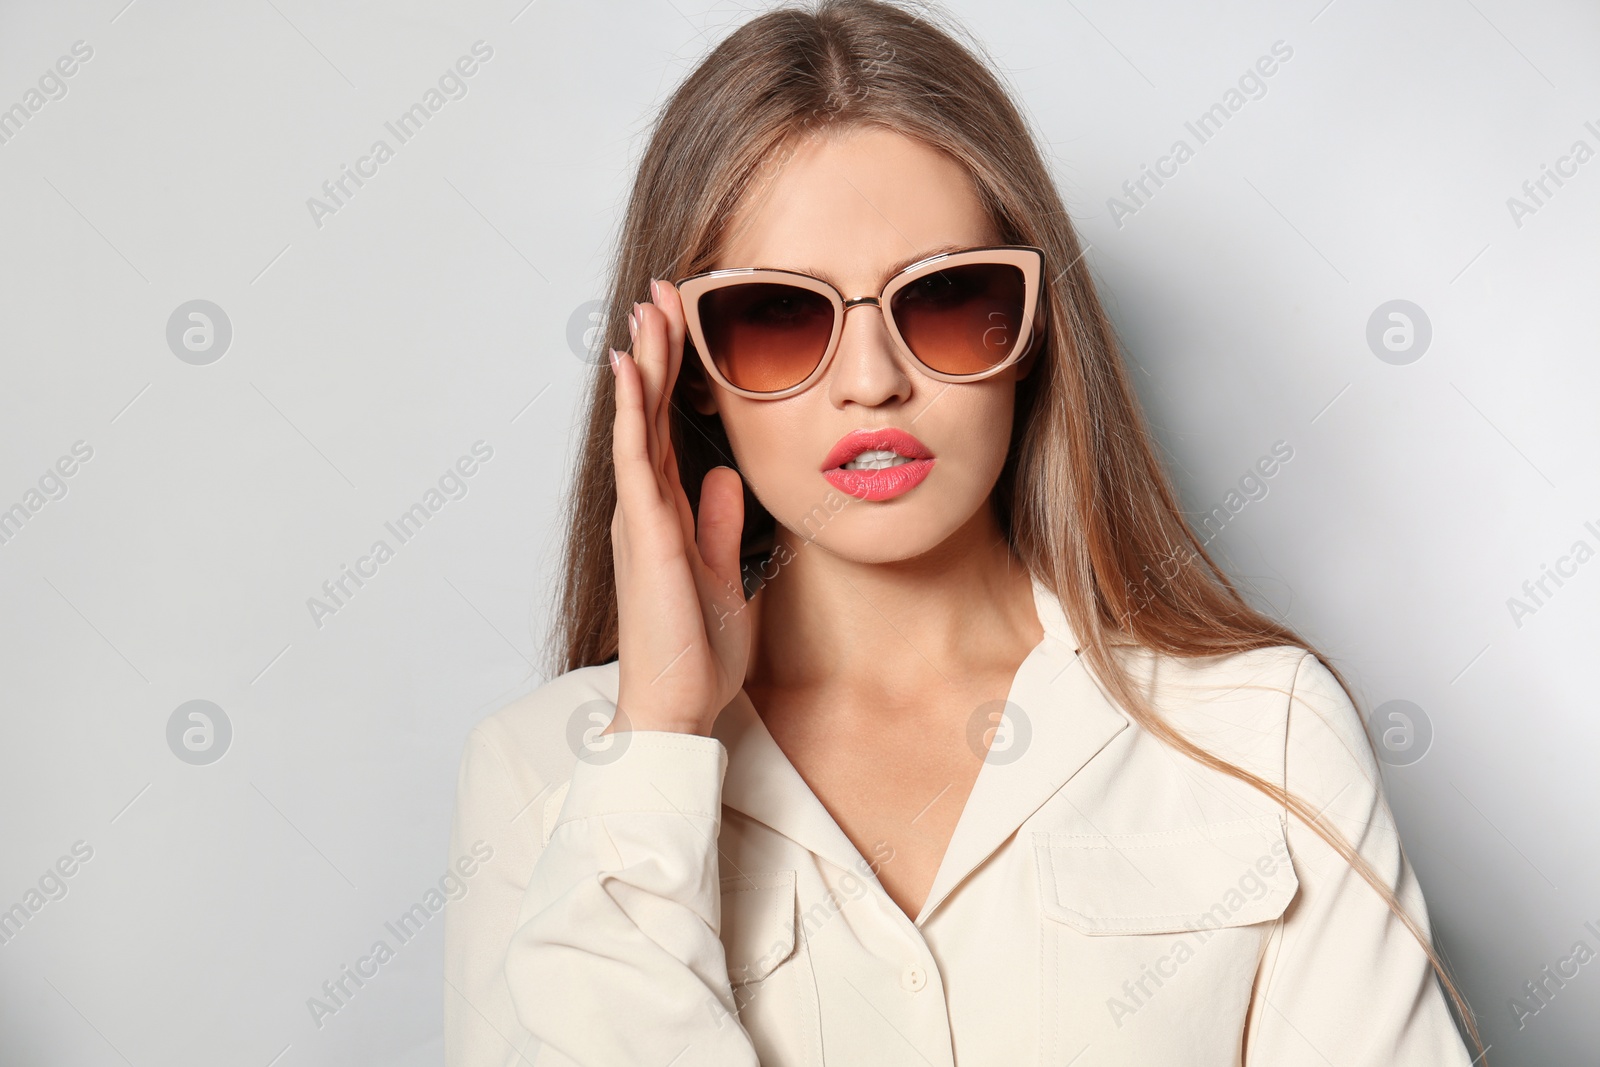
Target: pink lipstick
[{"x": 887, "y": 463}]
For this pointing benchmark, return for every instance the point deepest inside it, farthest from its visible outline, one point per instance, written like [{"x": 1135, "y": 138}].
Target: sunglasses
[{"x": 960, "y": 316}]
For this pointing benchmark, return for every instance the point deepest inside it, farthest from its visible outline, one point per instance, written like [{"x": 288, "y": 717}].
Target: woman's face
[{"x": 848, "y": 208}]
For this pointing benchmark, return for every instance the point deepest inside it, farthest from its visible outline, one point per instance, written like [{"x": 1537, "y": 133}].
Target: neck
[{"x": 825, "y": 622}]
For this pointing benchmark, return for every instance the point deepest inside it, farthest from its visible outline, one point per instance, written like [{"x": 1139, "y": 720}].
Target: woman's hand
[{"x": 684, "y": 639}]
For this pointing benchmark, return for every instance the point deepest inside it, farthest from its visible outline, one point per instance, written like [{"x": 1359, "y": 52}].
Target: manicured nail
[
  {"x": 633, "y": 323},
  {"x": 655, "y": 290},
  {"x": 614, "y": 357}
]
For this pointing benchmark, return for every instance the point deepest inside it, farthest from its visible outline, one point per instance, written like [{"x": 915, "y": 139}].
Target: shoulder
[
  {"x": 1248, "y": 688},
  {"x": 533, "y": 741},
  {"x": 1244, "y": 706}
]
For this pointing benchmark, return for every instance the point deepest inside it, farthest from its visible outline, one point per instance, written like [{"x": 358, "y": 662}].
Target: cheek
[
  {"x": 750, "y": 435},
  {"x": 773, "y": 445},
  {"x": 976, "y": 436}
]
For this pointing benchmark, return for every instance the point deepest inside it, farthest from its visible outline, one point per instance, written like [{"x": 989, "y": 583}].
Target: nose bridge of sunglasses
[
  {"x": 883, "y": 318},
  {"x": 886, "y": 341}
]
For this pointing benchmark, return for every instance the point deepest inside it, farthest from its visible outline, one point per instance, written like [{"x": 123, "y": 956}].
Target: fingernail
[
  {"x": 655, "y": 290},
  {"x": 633, "y": 322},
  {"x": 613, "y": 359}
]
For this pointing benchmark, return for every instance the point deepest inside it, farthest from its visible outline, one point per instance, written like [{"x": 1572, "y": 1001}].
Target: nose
[{"x": 867, "y": 368}]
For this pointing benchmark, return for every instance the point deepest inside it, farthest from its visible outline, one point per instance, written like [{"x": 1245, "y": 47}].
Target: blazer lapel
[
  {"x": 1058, "y": 720},
  {"x": 763, "y": 784}
]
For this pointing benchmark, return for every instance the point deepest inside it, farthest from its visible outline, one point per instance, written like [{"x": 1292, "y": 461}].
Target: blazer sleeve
[
  {"x": 617, "y": 956},
  {"x": 495, "y": 814},
  {"x": 1342, "y": 980}
]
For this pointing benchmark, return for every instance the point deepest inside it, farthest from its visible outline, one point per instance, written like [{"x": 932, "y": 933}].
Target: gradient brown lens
[
  {"x": 766, "y": 336},
  {"x": 963, "y": 319}
]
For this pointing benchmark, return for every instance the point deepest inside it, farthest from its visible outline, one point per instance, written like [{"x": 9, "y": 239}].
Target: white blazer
[{"x": 677, "y": 899}]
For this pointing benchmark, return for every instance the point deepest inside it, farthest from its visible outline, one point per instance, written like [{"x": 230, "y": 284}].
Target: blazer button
[{"x": 913, "y": 978}]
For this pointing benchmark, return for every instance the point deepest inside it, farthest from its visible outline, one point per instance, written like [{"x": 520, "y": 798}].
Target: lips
[
  {"x": 884, "y": 483},
  {"x": 885, "y": 438}
]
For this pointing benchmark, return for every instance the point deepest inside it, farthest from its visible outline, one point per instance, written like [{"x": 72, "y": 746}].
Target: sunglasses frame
[{"x": 1029, "y": 258}]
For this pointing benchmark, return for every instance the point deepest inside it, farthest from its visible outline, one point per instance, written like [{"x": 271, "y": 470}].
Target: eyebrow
[{"x": 894, "y": 269}]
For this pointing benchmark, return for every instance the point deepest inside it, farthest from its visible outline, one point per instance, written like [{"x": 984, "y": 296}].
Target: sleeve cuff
[{"x": 648, "y": 771}]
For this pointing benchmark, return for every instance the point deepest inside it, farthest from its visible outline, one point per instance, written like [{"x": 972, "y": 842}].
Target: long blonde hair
[{"x": 1088, "y": 507}]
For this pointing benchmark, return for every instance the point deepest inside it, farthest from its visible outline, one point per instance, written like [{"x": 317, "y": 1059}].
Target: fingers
[
  {"x": 652, "y": 374},
  {"x": 666, "y": 297},
  {"x": 636, "y": 482},
  {"x": 642, "y": 436},
  {"x": 722, "y": 523},
  {"x": 675, "y": 493},
  {"x": 666, "y": 338}
]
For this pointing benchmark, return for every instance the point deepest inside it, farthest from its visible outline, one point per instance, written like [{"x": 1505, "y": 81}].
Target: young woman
[{"x": 901, "y": 718}]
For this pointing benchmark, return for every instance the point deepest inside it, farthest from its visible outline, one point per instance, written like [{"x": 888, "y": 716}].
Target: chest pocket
[
  {"x": 1206, "y": 877},
  {"x": 1150, "y": 941},
  {"x": 769, "y": 968}
]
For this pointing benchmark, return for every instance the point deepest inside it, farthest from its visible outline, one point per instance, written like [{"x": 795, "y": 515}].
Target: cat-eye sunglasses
[{"x": 961, "y": 316}]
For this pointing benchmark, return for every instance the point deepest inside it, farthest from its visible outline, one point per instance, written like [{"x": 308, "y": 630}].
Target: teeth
[{"x": 875, "y": 459}]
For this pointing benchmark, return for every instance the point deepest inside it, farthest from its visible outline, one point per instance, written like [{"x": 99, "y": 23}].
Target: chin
[
  {"x": 876, "y": 551},
  {"x": 887, "y": 531}
]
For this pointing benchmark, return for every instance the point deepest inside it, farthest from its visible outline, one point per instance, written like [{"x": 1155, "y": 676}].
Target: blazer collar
[{"x": 1058, "y": 720}]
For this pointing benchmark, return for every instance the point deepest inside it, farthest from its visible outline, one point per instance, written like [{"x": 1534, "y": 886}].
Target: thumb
[{"x": 721, "y": 523}]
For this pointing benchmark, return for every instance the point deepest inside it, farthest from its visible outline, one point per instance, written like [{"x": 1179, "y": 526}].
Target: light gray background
[{"x": 435, "y": 309}]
